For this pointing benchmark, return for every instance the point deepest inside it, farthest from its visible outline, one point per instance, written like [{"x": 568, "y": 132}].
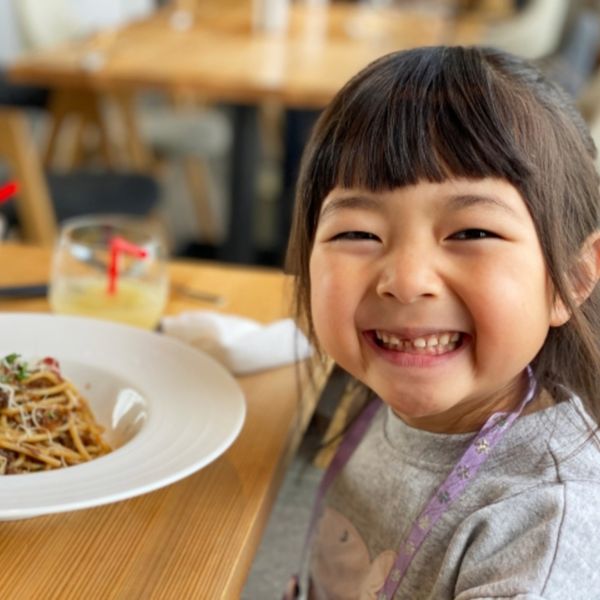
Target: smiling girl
[{"x": 446, "y": 247}]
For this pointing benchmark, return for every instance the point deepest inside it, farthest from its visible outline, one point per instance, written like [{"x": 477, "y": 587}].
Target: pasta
[{"x": 45, "y": 423}]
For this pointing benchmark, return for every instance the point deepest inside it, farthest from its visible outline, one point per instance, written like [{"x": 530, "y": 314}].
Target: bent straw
[
  {"x": 118, "y": 246},
  {"x": 8, "y": 190}
]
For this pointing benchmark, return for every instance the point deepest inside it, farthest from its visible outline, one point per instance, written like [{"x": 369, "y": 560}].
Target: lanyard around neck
[{"x": 455, "y": 483}]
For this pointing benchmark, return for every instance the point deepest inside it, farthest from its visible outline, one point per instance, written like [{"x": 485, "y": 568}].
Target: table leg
[{"x": 239, "y": 245}]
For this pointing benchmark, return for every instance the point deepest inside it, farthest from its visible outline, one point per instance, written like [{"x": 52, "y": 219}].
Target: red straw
[
  {"x": 8, "y": 190},
  {"x": 118, "y": 246}
]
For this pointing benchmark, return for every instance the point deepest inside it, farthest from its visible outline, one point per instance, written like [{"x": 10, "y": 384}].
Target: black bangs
[{"x": 426, "y": 114}]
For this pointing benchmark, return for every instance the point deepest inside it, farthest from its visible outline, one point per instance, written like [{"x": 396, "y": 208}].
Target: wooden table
[
  {"x": 219, "y": 55},
  {"x": 195, "y": 538}
]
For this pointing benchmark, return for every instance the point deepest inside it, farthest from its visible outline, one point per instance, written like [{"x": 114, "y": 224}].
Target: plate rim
[{"x": 223, "y": 377}]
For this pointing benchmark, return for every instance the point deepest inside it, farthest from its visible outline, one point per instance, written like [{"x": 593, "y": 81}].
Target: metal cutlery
[{"x": 39, "y": 290}]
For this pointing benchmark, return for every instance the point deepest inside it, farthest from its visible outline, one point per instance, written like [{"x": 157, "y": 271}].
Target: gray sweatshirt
[{"x": 526, "y": 528}]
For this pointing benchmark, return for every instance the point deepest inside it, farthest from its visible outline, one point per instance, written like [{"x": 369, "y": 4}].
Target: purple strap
[{"x": 461, "y": 475}]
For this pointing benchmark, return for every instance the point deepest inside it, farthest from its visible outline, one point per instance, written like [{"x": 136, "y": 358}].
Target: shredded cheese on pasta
[{"x": 45, "y": 423}]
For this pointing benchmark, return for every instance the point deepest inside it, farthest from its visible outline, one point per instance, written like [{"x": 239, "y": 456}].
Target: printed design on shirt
[{"x": 341, "y": 567}]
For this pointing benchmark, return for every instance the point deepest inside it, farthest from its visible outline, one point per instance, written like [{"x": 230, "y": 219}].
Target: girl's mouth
[{"x": 432, "y": 344}]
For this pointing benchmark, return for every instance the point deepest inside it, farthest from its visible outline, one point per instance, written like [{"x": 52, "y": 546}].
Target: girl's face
[{"x": 434, "y": 295}]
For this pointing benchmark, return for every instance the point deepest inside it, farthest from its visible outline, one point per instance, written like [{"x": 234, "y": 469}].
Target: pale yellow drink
[{"x": 135, "y": 302}]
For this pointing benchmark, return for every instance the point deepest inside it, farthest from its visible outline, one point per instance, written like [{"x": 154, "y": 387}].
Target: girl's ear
[{"x": 584, "y": 277}]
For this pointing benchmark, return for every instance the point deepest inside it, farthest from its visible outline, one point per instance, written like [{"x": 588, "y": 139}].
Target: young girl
[{"x": 446, "y": 245}]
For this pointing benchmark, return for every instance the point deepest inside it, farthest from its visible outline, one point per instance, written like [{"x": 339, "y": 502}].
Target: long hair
[{"x": 440, "y": 112}]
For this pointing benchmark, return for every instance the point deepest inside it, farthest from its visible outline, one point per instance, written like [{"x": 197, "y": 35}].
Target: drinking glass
[{"x": 110, "y": 268}]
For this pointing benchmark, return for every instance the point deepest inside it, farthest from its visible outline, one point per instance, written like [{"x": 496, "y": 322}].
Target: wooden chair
[
  {"x": 48, "y": 198},
  {"x": 188, "y": 136},
  {"x": 34, "y": 209}
]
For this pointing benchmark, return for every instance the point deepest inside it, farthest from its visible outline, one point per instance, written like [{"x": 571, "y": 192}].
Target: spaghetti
[{"x": 45, "y": 423}]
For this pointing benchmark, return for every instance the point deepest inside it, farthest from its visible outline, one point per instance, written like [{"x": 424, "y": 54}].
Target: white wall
[
  {"x": 98, "y": 14},
  {"x": 40, "y": 23},
  {"x": 10, "y": 38}
]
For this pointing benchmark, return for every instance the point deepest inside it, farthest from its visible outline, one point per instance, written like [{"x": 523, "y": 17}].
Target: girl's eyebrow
[
  {"x": 462, "y": 201},
  {"x": 350, "y": 202},
  {"x": 455, "y": 202}
]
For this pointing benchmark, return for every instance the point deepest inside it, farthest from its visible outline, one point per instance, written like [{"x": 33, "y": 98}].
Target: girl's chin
[
  {"x": 425, "y": 411},
  {"x": 412, "y": 413},
  {"x": 434, "y": 423}
]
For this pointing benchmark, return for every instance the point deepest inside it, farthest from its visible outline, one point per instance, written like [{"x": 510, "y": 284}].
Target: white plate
[{"x": 169, "y": 410}]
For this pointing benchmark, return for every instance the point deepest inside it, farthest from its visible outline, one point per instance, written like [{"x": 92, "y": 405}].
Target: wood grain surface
[{"x": 195, "y": 538}]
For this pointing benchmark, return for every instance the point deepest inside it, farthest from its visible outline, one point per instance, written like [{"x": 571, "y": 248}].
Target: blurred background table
[
  {"x": 211, "y": 49},
  {"x": 197, "y": 537}
]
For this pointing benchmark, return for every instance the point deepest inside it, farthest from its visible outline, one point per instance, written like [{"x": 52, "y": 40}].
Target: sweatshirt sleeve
[{"x": 542, "y": 544}]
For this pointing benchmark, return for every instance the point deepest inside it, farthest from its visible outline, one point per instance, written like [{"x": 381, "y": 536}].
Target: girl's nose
[{"x": 409, "y": 276}]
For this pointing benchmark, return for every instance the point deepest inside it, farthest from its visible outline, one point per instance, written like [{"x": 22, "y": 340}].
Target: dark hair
[{"x": 440, "y": 112}]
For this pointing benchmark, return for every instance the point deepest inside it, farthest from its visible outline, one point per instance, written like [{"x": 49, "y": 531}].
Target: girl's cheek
[
  {"x": 320, "y": 306},
  {"x": 333, "y": 299},
  {"x": 323, "y": 306}
]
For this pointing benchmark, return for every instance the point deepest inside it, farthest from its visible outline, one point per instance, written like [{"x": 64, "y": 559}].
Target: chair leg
[
  {"x": 34, "y": 207},
  {"x": 138, "y": 154},
  {"x": 197, "y": 176},
  {"x": 81, "y": 110}
]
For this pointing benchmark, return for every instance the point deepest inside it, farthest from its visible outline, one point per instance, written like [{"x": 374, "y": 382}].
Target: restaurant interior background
[{"x": 191, "y": 139}]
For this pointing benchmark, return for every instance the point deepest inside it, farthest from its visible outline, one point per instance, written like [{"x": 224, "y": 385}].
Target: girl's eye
[
  {"x": 355, "y": 236},
  {"x": 473, "y": 234}
]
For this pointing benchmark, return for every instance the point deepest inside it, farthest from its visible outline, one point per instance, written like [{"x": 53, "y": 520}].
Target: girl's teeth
[{"x": 431, "y": 344}]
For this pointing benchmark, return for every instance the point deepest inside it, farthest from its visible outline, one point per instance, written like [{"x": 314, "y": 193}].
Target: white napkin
[{"x": 242, "y": 345}]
